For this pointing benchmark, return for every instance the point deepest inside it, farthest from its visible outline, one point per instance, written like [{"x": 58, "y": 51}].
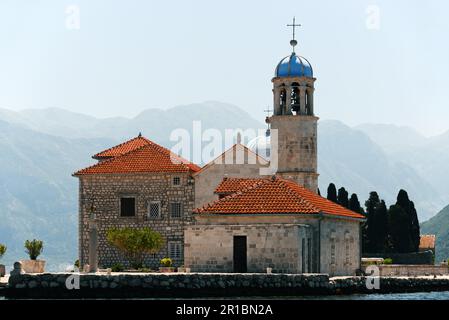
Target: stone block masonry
[
  {"x": 157, "y": 285},
  {"x": 103, "y": 193}
]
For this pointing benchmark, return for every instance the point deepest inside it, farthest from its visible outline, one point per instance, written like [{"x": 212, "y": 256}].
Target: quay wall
[{"x": 154, "y": 285}]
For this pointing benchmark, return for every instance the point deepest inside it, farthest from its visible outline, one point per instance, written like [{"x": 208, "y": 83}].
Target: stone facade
[
  {"x": 237, "y": 162},
  {"x": 334, "y": 242},
  {"x": 103, "y": 193},
  {"x": 296, "y": 146},
  {"x": 209, "y": 248}
]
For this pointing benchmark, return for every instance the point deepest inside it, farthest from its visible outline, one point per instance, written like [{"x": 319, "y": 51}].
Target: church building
[{"x": 229, "y": 216}]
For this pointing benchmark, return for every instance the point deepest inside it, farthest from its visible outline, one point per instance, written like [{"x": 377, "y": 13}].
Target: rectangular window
[
  {"x": 176, "y": 209},
  {"x": 177, "y": 181},
  {"x": 175, "y": 250},
  {"x": 154, "y": 210},
  {"x": 127, "y": 206}
]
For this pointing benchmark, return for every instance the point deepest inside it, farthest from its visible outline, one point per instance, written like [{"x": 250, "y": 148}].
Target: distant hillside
[
  {"x": 38, "y": 197},
  {"x": 429, "y": 157},
  {"x": 439, "y": 226},
  {"x": 351, "y": 159}
]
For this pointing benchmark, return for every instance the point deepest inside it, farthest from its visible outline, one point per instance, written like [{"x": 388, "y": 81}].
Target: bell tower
[{"x": 294, "y": 119}]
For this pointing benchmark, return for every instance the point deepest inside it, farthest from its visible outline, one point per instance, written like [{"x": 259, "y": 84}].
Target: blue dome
[{"x": 294, "y": 66}]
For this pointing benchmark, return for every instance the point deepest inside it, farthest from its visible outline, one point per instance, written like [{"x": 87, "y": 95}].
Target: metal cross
[
  {"x": 294, "y": 25},
  {"x": 268, "y": 110},
  {"x": 293, "y": 42}
]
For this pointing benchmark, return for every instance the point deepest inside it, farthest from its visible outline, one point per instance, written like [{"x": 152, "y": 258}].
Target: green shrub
[
  {"x": 34, "y": 248},
  {"x": 388, "y": 261},
  {"x": 135, "y": 243},
  {"x": 166, "y": 262},
  {"x": 77, "y": 264},
  {"x": 118, "y": 267},
  {"x": 2, "y": 250}
]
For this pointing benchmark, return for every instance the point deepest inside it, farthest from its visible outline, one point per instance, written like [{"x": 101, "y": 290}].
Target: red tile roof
[
  {"x": 232, "y": 185},
  {"x": 272, "y": 196},
  {"x": 123, "y": 148},
  {"x": 149, "y": 157},
  {"x": 427, "y": 241}
]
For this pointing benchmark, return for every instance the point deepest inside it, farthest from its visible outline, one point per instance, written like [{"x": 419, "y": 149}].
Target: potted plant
[
  {"x": 33, "y": 249},
  {"x": 166, "y": 264},
  {"x": 183, "y": 269},
  {"x": 2, "y": 253}
]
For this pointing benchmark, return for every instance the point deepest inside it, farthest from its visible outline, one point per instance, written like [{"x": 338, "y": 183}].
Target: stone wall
[
  {"x": 163, "y": 285},
  {"x": 342, "y": 233},
  {"x": 297, "y": 148},
  {"x": 340, "y": 246},
  {"x": 412, "y": 270},
  {"x": 154, "y": 285},
  {"x": 209, "y": 248},
  {"x": 238, "y": 162},
  {"x": 104, "y": 192}
]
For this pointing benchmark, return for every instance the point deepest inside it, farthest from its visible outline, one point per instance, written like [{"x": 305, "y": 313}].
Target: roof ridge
[
  {"x": 111, "y": 159},
  {"x": 122, "y": 144},
  {"x": 230, "y": 148}
]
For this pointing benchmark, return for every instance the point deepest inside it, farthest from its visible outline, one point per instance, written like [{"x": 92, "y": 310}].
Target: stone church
[{"x": 231, "y": 215}]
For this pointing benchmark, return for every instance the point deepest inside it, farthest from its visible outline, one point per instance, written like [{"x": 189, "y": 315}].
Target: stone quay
[{"x": 174, "y": 285}]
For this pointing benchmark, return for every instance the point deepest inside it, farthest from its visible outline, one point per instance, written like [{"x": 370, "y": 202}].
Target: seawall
[{"x": 157, "y": 285}]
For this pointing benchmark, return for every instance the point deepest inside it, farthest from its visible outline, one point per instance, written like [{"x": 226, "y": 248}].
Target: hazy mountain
[
  {"x": 439, "y": 226},
  {"x": 42, "y": 148},
  {"x": 38, "y": 197},
  {"x": 151, "y": 122},
  {"x": 351, "y": 159},
  {"x": 393, "y": 138},
  {"x": 429, "y": 157}
]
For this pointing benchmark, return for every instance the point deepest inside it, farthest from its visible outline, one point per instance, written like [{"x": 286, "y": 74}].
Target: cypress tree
[
  {"x": 412, "y": 223},
  {"x": 399, "y": 233},
  {"x": 354, "y": 204},
  {"x": 415, "y": 231},
  {"x": 381, "y": 227},
  {"x": 332, "y": 193},
  {"x": 342, "y": 197},
  {"x": 371, "y": 206}
]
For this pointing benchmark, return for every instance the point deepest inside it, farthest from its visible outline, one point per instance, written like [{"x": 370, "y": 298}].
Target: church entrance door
[{"x": 240, "y": 254}]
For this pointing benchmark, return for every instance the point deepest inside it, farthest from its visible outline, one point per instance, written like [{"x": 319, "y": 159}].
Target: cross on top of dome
[{"x": 293, "y": 42}]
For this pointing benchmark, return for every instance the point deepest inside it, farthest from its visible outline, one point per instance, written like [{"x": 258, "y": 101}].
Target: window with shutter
[
  {"x": 154, "y": 210},
  {"x": 176, "y": 209}
]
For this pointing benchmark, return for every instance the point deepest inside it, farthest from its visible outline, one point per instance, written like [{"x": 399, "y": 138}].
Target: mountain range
[{"x": 41, "y": 148}]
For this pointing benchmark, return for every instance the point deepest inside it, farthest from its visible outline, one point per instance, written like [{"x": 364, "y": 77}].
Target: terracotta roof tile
[
  {"x": 272, "y": 196},
  {"x": 123, "y": 148},
  {"x": 232, "y": 185},
  {"x": 427, "y": 241},
  {"x": 149, "y": 157}
]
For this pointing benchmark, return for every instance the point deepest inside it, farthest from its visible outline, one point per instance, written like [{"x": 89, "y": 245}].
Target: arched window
[
  {"x": 295, "y": 97},
  {"x": 283, "y": 99},
  {"x": 309, "y": 101}
]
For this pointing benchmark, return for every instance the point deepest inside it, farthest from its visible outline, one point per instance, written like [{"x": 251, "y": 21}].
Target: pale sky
[{"x": 129, "y": 55}]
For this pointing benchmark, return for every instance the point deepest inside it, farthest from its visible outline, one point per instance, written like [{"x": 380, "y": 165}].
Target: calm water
[{"x": 443, "y": 295}]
